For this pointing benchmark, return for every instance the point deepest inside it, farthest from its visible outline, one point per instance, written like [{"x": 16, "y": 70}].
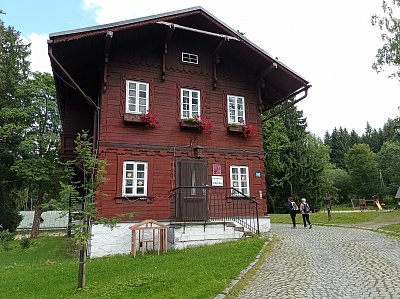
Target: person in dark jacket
[{"x": 293, "y": 209}]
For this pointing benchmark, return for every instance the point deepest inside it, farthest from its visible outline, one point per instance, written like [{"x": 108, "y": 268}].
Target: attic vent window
[{"x": 190, "y": 58}]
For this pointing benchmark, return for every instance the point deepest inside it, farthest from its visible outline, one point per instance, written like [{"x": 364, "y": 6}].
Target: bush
[
  {"x": 9, "y": 214},
  {"x": 389, "y": 201},
  {"x": 6, "y": 237},
  {"x": 25, "y": 242}
]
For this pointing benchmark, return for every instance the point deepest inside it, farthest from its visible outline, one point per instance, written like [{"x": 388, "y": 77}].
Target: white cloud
[
  {"x": 106, "y": 11},
  {"x": 110, "y": 11},
  {"x": 39, "y": 59}
]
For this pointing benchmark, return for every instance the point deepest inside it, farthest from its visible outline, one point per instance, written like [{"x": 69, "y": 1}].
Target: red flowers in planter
[
  {"x": 198, "y": 122},
  {"x": 248, "y": 131},
  {"x": 203, "y": 123},
  {"x": 241, "y": 128},
  {"x": 150, "y": 119}
]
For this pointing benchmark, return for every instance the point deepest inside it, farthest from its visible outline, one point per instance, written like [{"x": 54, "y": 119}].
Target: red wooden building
[{"x": 179, "y": 66}]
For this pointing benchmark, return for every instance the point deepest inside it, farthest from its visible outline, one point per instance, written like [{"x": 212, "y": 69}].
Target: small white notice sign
[{"x": 217, "y": 180}]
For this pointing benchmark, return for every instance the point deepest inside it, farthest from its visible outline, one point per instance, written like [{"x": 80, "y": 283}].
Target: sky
[{"x": 332, "y": 44}]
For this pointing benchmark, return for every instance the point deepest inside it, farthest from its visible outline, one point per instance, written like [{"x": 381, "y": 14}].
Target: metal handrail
[{"x": 189, "y": 204}]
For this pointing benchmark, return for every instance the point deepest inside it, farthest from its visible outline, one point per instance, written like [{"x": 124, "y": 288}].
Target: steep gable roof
[{"x": 80, "y": 52}]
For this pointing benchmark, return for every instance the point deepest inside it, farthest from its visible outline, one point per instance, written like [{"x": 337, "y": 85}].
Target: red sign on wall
[{"x": 216, "y": 169}]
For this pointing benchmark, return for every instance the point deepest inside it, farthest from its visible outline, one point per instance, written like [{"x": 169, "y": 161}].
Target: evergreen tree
[
  {"x": 340, "y": 142},
  {"x": 388, "y": 132},
  {"x": 275, "y": 142},
  {"x": 316, "y": 162},
  {"x": 295, "y": 160},
  {"x": 295, "y": 125},
  {"x": 354, "y": 138},
  {"x": 327, "y": 139},
  {"x": 335, "y": 147},
  {"x": 373, "y": 138},
  {"x": 14, "y": 71}
]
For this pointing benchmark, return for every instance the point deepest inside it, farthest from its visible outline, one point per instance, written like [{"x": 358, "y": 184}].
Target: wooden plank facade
[{"x": 145, "y": 163}]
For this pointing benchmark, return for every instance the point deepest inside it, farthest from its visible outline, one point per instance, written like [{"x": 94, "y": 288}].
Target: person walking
[
  {"x": 292, "y": 209},
  {"x": 305, "y": 212}
]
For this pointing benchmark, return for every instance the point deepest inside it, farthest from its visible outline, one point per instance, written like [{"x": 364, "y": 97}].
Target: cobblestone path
[{"x": 328, "y": 262}]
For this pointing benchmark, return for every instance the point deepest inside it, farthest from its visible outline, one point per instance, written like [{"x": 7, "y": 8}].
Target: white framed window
[
  {"x": 190, "y": 58},
  {"x": 137, "y": 97},
  {"x": 240, "y": 180},
  {"x": 135, "y": 179},
  {"x": 236, "y": 113},
  {"x": 190, "y": 103}
]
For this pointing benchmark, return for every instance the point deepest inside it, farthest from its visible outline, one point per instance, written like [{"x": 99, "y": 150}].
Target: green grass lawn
[
  {"x": 392, "y": 227},
  {"x": 349, "y": 218},
  {"x": 49, "y": 270}
]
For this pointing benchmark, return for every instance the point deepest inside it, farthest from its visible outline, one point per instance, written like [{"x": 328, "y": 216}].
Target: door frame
[{"x": 191, "y": 196}]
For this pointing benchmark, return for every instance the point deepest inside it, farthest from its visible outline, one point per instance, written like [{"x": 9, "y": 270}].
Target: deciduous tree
[
  {"x": 84, "y": 188},
  {"x": 37, "y": 165},
  {"x": 341, "y": 182},
  {"x": 389, "y": 164},
  {"x": 389, "y": 23},
  {"x": 362, "y": 165}
]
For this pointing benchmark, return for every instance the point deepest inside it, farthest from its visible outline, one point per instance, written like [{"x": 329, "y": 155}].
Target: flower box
[
  {"x": 190, "y": 125},
  {"x": 235, "y": 129},
  {"x": 241, "y": 129},
  {"x": 147, "y": 119},
  {"x": 197, "y": 123},
  {"x": 133, "y": 118}
]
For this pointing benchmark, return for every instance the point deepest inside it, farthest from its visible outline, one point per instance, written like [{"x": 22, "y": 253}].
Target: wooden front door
[{"x": 192, "y": 194}]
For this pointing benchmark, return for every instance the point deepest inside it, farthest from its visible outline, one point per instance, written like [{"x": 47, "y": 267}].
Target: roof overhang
[{"x": 81, "y": 52}]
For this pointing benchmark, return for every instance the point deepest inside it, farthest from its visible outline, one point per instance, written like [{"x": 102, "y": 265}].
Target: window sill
[
  {"x": 235, "y": 129},
  {"x": 119, "y": 199},
  {"x": 133, "y": 118},
  {"x": 189, "y": 125}
]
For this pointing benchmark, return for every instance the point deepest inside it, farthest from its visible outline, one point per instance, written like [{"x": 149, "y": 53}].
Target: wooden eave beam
[
  {"x": 261, "y": 82},
  {"x": 107, "y": 46},
  {"x": 273, "y": 66},
  {"x": 70, "y": 79},
  {"x": 259, "y": 93},
  {"x": 220, "y": 46},
  {"x": 164, "y": 58},
  {"x": 303, "y": 89},
  {"x": 172, "y": 25}
]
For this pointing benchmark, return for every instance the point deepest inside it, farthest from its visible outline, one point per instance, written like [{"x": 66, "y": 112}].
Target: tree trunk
[
  {"x": 37, "y": 219},
  {"x": 82, "y": 267},
  {"x": 83, "y": 254},
  {"x": 36, "y": 222}
]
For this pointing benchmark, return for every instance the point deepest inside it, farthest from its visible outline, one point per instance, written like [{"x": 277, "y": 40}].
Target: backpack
[
  {"x": 294, "y": 206},
  {"x": 306, "y": 208}
]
